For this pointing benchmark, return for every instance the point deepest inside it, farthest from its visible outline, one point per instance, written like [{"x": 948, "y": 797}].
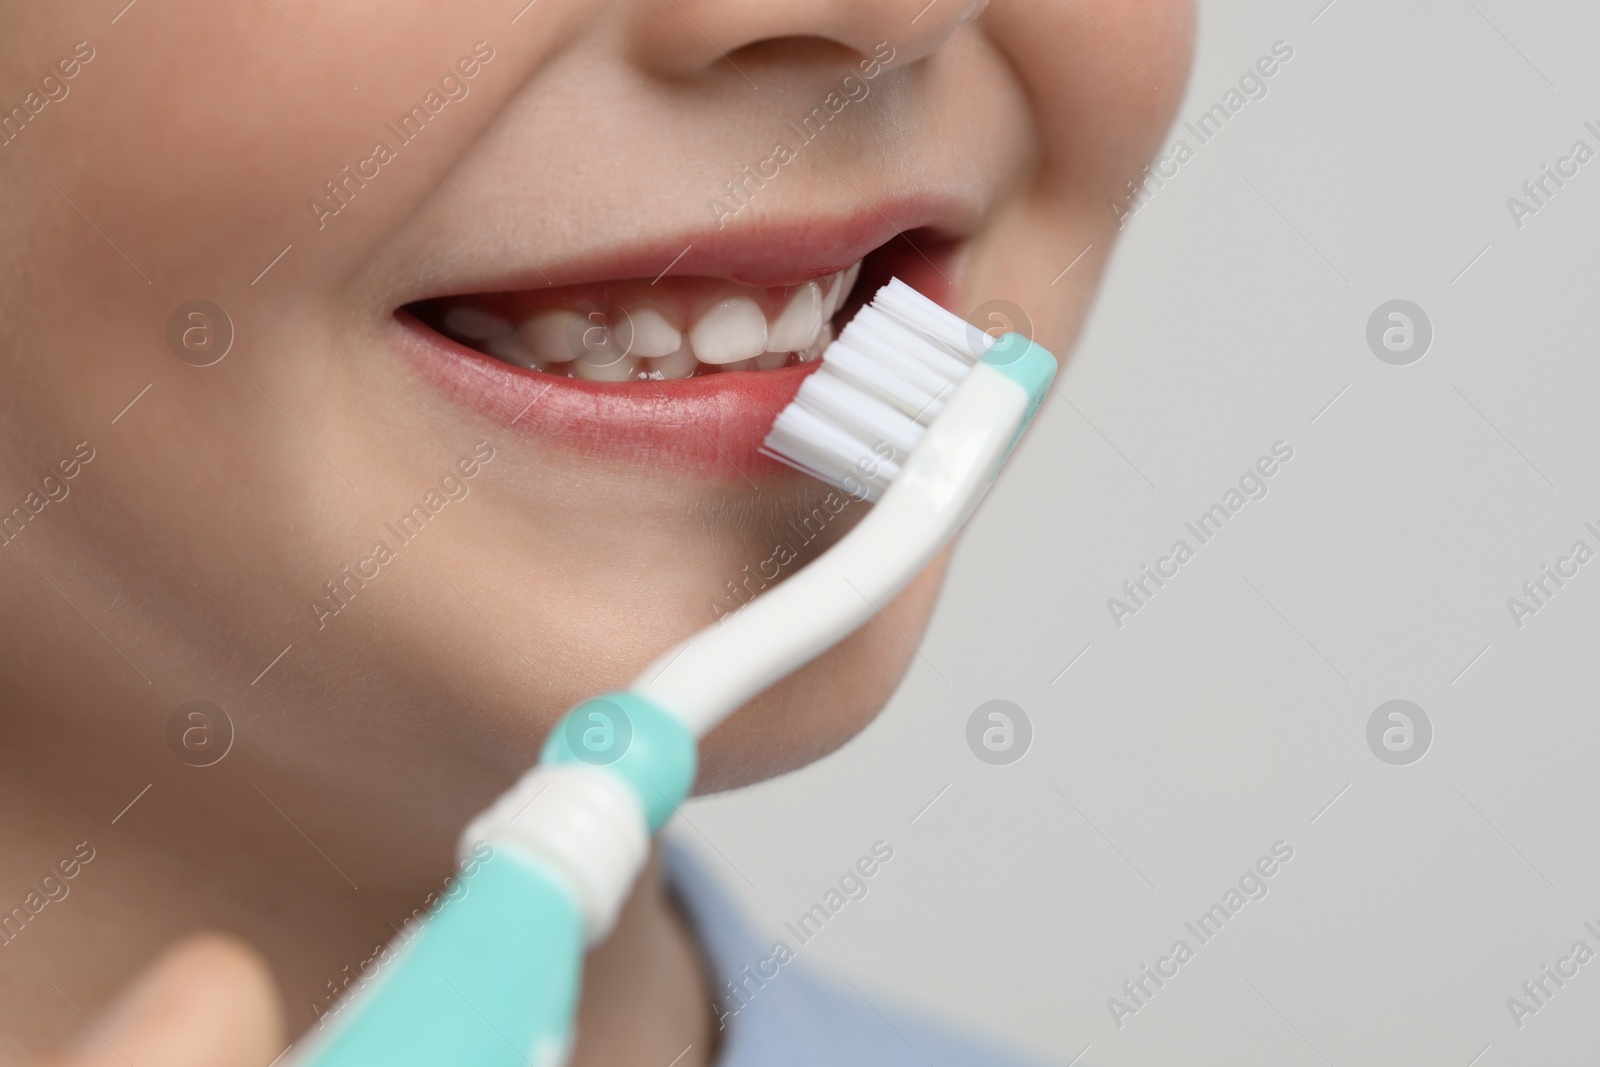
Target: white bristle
[{"x": 857, "y": 418}]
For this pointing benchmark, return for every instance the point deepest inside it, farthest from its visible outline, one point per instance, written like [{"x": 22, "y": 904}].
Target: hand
[{"x": 208, "y": 1001}]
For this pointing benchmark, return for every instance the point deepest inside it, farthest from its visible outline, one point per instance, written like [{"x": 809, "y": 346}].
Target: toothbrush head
[{"x": 885, "y": 381}]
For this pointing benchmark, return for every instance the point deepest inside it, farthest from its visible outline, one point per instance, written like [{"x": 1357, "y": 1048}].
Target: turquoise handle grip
[{"x": 491, "y": 980}]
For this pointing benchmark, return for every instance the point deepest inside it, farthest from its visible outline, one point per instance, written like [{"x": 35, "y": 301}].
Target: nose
[{"x": 680, "y": 37}]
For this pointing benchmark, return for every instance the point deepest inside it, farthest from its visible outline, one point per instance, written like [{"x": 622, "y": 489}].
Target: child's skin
[{"x": 181, "y": 559}]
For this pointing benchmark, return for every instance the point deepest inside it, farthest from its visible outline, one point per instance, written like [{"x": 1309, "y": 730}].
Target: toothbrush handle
[{"x": 490, "y": 980}]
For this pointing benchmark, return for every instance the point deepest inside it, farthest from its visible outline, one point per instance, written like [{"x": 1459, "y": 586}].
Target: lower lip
[{"x": 712, "y": 424}]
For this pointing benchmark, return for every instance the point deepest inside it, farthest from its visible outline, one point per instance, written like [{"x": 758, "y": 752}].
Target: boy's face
[{"x": 393, "y": 203}]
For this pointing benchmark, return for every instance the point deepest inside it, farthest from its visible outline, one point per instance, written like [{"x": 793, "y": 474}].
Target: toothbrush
[{"x": 913, "y": 409}]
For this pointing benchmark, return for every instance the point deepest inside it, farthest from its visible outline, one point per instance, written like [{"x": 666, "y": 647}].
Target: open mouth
[
  {"x": 691, "y": 366},
  {"x": 638, "y": 330}
]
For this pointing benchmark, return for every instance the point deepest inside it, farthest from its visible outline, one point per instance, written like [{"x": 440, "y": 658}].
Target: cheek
[{"x": 826, "y": 703}]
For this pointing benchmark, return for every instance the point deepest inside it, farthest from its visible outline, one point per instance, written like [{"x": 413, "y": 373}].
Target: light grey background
[{"x": 1227, "y": 714}]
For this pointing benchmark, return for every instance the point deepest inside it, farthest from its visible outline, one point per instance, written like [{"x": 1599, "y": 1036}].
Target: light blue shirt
[{"x": 788, "y": 1014}]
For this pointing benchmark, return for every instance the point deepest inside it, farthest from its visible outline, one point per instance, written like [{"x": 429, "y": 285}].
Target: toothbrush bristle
[{"x": 856, "y": 419}]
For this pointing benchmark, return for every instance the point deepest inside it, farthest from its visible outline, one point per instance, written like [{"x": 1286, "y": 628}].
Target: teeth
[
  {"x": 554, "y": 336},
  {"x": 511, "y": 349},
  {"x": 474, "y": 324},
  {"x": 645, "y": 332},
  {"x": 838, "y": 290},
  {"x": 851, "y": 273},
  {"x": 797, "y": 325},
  {"x": 733, "y": 330},
  {"x": 602, "y": 359},
  {"x": 832, "y": 295},
  {"x": 606, "y": 366},
  {"x": 824, "y": 339},
  {"x": 679, "y": 364},
  {"x": 641, "y": 333}
]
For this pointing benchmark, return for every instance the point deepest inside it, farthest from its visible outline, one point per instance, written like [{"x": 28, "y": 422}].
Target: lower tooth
[
  {"x": 513, "y": 351},
  {"x": 680, "y": 364},
  {"x": 606, "y": 367},
  {"x": 770, "y": 360}
]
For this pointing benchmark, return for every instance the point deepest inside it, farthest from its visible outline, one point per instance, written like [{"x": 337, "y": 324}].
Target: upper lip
[{"x": 760, "y": 252}]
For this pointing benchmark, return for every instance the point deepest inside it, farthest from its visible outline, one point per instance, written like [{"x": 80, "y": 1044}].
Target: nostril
[
  {"x": 793, "y": 52},
  {"x": 753, "y": 40}
]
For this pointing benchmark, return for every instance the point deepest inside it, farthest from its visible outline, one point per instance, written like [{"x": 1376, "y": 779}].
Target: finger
[{"x": 209, "y": 1001}]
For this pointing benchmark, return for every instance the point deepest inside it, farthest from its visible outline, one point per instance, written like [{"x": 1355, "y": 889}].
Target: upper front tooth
[
  {"x": 645, "y": 332},
  {"x": 475, "y": 324},
  {"x": 824, "y": 339},
  {"x": 851, "y": 273},
  {"x": 733, "y": 330},
  {"x": 555, "y": 336},
  {"x": 833, "y": 295},
  {"x": 797, "y": 325}
]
